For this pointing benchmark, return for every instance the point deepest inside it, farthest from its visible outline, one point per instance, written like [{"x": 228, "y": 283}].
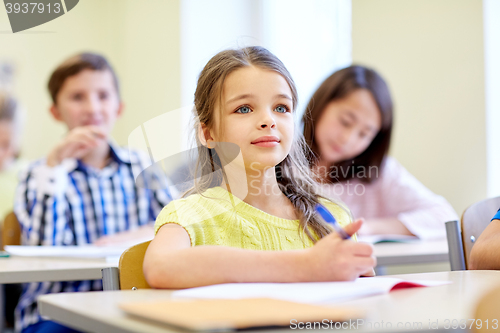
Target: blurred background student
[
  {"x": 348, "y": 124},
  {"x": 84, "y": 191},
  {"x": 10, "y": 140},
  {"x": 10, "y": 165}
]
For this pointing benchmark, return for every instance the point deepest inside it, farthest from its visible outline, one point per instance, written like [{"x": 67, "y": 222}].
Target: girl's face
[
  {"x": 7, "y": 146},
  {"x": 256, "y": 115},
  {"x": 347, "y": 127}
]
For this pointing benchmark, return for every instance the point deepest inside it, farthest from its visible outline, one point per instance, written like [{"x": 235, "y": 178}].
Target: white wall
[
  {"x": 492, "y": 76},
  {"x": 158, "y": 51},
  {"x": 141, "y": 42},
  {"x": 208, "y": 27},
  {"x": 432, "y": 55},
  {"x": 312, "y": 38},
  {"x": 430, "y": 51}
]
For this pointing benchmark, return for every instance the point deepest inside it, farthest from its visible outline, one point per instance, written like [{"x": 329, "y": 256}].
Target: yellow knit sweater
[{"x": 219, "y": 218}]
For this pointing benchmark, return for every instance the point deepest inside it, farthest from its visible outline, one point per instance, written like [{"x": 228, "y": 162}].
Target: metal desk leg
[
  {"x": 110, "y": 278},
  {"x": 2, "y": 309},
  {"x": 455, "y": 246},
  {"x": 380, "y": 270}
]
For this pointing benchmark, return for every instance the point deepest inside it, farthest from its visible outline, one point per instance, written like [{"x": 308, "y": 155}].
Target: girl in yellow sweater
[{"x": 252, "y": 205}]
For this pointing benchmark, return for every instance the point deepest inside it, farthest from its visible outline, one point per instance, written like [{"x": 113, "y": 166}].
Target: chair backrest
[
  {"x": 11, "y": 230},
  {"x": 130, "y": 267},
  {"x": 474, "y": 220}
]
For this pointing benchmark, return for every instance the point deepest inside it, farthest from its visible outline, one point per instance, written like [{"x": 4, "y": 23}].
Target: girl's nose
[
  {"x": 347, "y": 136},
  {"x": 268, "y": 121},
  {"x": 264, "y": 125}
]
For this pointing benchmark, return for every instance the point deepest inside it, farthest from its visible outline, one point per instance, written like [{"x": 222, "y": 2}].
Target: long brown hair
[
  {"x": 293, "y": 173},
  {"x": 339, "y": 85}
]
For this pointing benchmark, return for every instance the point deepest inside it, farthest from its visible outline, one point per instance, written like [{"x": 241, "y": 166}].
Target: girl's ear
[{"x": 204, "y": 134}]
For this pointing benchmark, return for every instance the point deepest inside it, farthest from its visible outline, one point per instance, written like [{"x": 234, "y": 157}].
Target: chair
[
  {"x": 130, "y": 267},
  {"x": 461, "y": 238},
  {"x": 11, "y": 231}
]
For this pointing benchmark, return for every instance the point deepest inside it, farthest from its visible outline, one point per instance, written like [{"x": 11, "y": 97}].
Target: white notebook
[
  {"x": 388, "y": 238},
  {"x": 309, "y": 292}
]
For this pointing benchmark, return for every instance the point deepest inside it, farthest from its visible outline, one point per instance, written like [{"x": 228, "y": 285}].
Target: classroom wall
[
  {"x": 311, "y": 50},
  {"x": 141, "y": 41},
  {"x": 431, "y": 53},
  {"x": 491, "y": 13}
]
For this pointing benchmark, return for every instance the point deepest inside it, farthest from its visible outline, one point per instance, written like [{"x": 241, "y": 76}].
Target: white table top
[
  {"x": 36, "y": 269},
  {"x": 98, "y": 312},
  {"x": 421, "y": 305},
  {"x": 412, "y": 252},
  {"x": 16, "y": 269}
]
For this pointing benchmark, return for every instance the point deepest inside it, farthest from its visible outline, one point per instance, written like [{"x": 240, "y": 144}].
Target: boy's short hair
[{"x": 75, "y": 65}]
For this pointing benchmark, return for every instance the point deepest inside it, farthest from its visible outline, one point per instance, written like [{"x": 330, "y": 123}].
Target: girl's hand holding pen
[{"x": 335, "y": 259}]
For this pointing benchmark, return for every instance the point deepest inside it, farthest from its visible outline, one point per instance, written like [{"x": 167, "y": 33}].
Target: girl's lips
[
  {"x": 266, "y": 141},
  {"x": 336, "y": 148}
]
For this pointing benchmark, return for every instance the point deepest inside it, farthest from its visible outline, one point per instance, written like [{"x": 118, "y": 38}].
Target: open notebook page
[
  {"x": 389, "y": 238},
  {"x": 309, "y": 292}
]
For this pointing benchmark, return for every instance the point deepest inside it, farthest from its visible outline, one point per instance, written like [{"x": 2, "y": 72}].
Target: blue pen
[{"x": 328, "y": 218}]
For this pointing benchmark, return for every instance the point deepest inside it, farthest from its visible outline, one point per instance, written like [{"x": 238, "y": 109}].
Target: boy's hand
[
  {"x": 76, "y": 144},
  {"x": 335, "y": 259}
]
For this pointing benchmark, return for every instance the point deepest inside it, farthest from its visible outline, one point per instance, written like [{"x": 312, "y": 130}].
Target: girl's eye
[
  {"x": 281, "y": 109},
  {"x": 103, "y": 95},
  {"x": 244, "y": 109}
]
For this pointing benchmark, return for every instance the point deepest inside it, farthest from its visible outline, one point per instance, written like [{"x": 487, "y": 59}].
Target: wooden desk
[
  {"x": 98, "y": 312},
  {"x": 411, "y": 253}
]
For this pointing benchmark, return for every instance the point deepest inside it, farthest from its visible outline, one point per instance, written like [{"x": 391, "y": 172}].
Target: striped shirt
[{"x": 75, "y": 204}]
